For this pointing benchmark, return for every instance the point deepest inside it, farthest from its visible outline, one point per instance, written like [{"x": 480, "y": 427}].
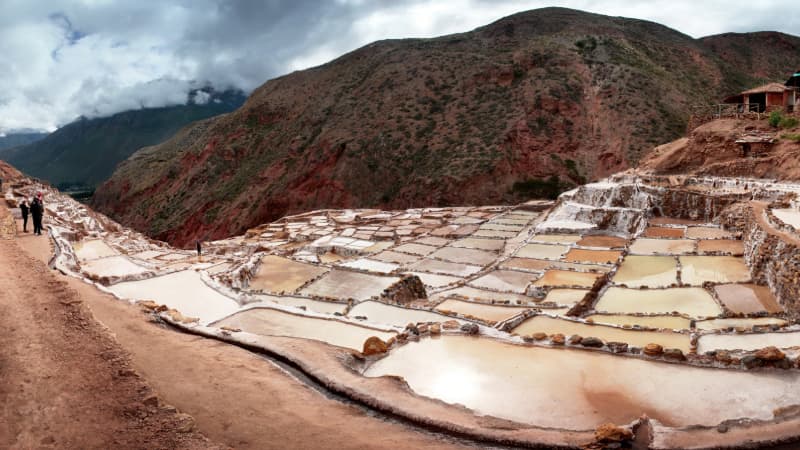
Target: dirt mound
[{"x": 712, "y": 149}]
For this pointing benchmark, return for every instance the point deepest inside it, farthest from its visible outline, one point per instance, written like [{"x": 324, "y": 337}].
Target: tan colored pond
[
  {"x": 694, "y": 302},
  {"x": 600, "y": 241},
  {"x": 744, "y": 322},
  {"x": 696, "y": 270},
  {"x": 789, "y": 216},
  {"x": 566, "y": 297},
  {"x": 277, "y": 274},
  {"x": 489, "y": 313},
  {"x": 666, "y": 322},
  {"x": 496, "y": 234},
  {"x": 747, "y": 298},
  {"x": 270, "y": 322},
  {"x": 415, "y": 249},
  {"x": 728, "y": 246},
  {"x": 580, "y": 390},
  {"x": 345, "y": 284},
  {"x": 481, "y": 244},
  {"x": 566, "y": 278},
  {"x": 112, "y": 266},
  {"x": 542, "y": 251},
  {"x": 435, "y": 281},
  {"x": 482, "y": 294},
  {"x": 638, "y": 338},
  {"x": 707, "y": 233},
  {"x": 565, "y": 239},
  {"x": 93, "y": 249},
  {"x": 593, "y": 256},
  {"x": 465, "y": 256},
  {"x": 752, "y": 341},
  {"x": 307, "y": 303},
  {"x": 645, "y": 246},
  {"x": 395, "y": 257},
  {"x": 505, "y": 280},
  {"x": 381, "y": 313},
  {"x": 650, "y": 271}
]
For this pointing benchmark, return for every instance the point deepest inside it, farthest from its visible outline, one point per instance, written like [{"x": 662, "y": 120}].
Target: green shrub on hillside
[
  {"x": 788, "y": 122},
  {"x": 775, "y": 118},
  {"x": 791, "y": 136}
]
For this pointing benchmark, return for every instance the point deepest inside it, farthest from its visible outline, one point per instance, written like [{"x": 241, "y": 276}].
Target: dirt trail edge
[
  {"x": 237, "y": 398},
  {"x": 64, "y": 381}
]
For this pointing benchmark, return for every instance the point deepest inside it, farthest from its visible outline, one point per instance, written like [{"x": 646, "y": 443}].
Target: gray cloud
[{"x": 60, "y": 59}]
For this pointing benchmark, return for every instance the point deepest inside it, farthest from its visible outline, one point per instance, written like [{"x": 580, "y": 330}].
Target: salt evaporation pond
[
  {"x": 277, "y": 274},
  {"x": 592, "y": 256},
  {"x": 489, "y": 313},
  {"x": 734, "y": 322},
  {"x": 752, "y": 341},
  {"x": 691, "y": 301},
  {"x": 550, "y": 325},
  {"x": 504, "y": 280},
  {"x": 747, "y": 298},
  {"x": 112, "y": 266},
  {"x": 579, "y": 390},
  {"x": 377, "y": 312},
  {"x": 696, "y": 270},
  {"x": 666, "y": 322},
  {"x": 788, "y": 216},
  {"x": 307, "y": 303},
  {"x": 542, "y": 251},
  {"x": 566, "y": 297},
  {"x": 271, "y": 322},
  {"x": 646, "y": 246},
  {"x": 345, "y": 284},
  {"x": 725, "y": 246},
  {"x": 93, "y": 249},
  {"x": 566, "y": 278},
  {"x": 184, "y": 291},
  {"x": 483, "y": 294},
  {"x": 650, "y": 271}
]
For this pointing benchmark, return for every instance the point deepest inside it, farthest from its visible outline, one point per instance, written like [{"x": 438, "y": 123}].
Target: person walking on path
[
  {"x": 37, "y": 211},
  {"x": 23, "y": 207},
  {"x": 199, "y": 249}
]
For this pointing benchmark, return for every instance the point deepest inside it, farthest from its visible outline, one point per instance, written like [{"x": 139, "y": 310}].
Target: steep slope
[
  {"x": 17, "y": 139},
  {"x": 759, "y": 55},
  {"x": 85, "y": 152},
  {"x": 524, "y": 107}
]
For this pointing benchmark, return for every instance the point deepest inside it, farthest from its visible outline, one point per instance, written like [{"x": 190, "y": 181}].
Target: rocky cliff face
[{"x": 521, "y": 108}]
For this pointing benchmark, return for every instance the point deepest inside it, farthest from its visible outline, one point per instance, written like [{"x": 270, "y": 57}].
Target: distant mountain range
[
  {"x": 17, "y": 139},
  {"x": 524, "y": 107},
  {"x": 84, "y": 153}
]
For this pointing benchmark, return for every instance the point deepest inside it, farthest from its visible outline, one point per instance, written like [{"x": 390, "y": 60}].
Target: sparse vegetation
[
  {"x": 548, "y": 188},
  {"x": 794, "y": 137}
]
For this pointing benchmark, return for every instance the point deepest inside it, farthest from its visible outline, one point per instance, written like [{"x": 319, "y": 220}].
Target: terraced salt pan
[
  {"x": 184, "y": 291},
  {"x": 666, "y": 322},
  {"x": 600, "y": 241},
  {"x": 788, "y": 216},
  {"x": 566, "y": 297},
  {"x": 692, "y": 301},
  {"x": 489, "y": 313},
  {"x": 664, "y": 232},
  {"x": 307, "y": 303},
  {"x": 173, "y": 256},
  {"x": 593, "y": 256},
  {"x": 722, "y": 324},
  {"x": 650, "y": 271},
  {"x": 565, "y": 239},
  {"x": 371, "y": 265},
  {"x": 444, "y": 267},
  {"x": 753, "y": 341},
  {"x": 539, "y": 265},
  {"x": 579, "y": 390},
  {"x": 550, "y": 325},
  {"x": 696, "y": 270},
  {"x": 465, "y": 256},
  {"x": 434, "y": 280},
  {"x": 112, "y": 266},
  {"x": 415, "y": 249},
  {"x": 747, "y": 298},
  {"x": 707, "y": 233},
  {"x": 504, "y": 280},
  {"x": 148, "y": 254},
  {"x": 481, "y": 244},
  {"x": 646, "y": 246},
  {"x": 345, "y": 284},
  {"x": 501, "y": 227},
  {"x": 434, "y": 241},
  {"x": 271, "y": 322},
  {"x": 495, "y": 234},
  {"x": 277, "y": 274},
  {"x": 566, "y": 278},
  {"x": 381, "y": 313},
  {"x": 542, "y": 251},
  {"x": 725, "y": 246},
  {"x": 93, "y": 249},
  {"x": 481, "y": 294},
  {"x": 395, "y": 257}
]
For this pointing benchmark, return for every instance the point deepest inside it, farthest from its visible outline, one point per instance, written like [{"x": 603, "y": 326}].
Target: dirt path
[
  {"x": 64, "y": 381},
  {"x": 236, "y": 397}
]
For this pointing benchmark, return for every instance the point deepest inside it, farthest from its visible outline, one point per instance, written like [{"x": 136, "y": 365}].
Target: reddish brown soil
[
  {"x": 237, "y": 398},
  {"x": 64, "y": 381}
]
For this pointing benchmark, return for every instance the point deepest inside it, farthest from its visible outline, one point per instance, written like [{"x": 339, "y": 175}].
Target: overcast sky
[{"x": 60, "y": 59}]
